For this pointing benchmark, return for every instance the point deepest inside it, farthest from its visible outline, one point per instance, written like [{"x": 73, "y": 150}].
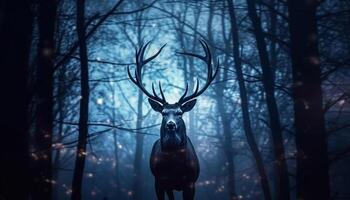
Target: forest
[{"x": 272, "y": 115}]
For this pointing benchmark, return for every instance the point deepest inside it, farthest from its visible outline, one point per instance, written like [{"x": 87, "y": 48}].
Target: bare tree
[
  {"x": 280, "y": 162},
  {"x": 42, "y": 173},
  {"x": 222, "y": 111},
  {"x": 84, "y": 104},
  {"x": 15, "y": 38},
  {"x": 311, "y": 138},
  {"x": 244, "y": 103}
]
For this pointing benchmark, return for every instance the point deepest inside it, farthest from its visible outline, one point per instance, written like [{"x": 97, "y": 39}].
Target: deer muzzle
[{"x": 171, "y": 125}]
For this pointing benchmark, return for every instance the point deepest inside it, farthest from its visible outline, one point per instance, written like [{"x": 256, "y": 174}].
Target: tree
[
  {"x": 245, "y": 104},
  {"x": 225, "y": 118},
  {"x": 311, "y": 138},
  {"x": 42, "y": 173},
  {"x": 280, "y": 162},
  {"x": 15, "y": 38},
  {"x": 84, "y": 104}
]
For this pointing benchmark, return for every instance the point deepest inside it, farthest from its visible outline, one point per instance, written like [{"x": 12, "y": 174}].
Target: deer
[{"x": 173, "y": 161}]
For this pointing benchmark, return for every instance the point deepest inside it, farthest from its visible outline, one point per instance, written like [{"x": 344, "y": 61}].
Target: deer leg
[
  {"x": 160, "y": 192},
  {"x": 170, "y": 194},
  {"x": 188, "y": 192}
]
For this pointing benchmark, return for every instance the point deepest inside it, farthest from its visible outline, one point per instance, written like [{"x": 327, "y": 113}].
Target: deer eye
[{"x": 179, "y": 113}]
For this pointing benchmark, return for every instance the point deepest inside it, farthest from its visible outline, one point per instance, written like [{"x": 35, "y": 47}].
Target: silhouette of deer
[{"x": 173, "y": 161}]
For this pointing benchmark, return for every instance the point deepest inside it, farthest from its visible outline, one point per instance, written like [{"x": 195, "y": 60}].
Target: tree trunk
[
  {"x": 84, "y": 104},
  {"x": 137, "y": 179},
  {"x": 273, "y": 31},
  {"x": 61, "y": 111},
  {"x": 138, "y": 183},
  {"x": 191, "y": 72},
  {"x": 244, "y": 104},
  {"x": 280, "y": 163},
  {"x": 273, "y": 52},
  {"x": 311, "y": 139},
  {"x": 116, "y": 170},
  {"x": 228, "y": 150},
  {"x": 42, "y": 171},
  {"x": 116, "y": 150},
  {"x": 15, "y": 38},
  {"x": 225, "y": 119}
]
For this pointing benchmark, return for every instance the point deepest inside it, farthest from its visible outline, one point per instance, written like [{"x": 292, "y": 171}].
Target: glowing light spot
[
  {"x": 34, "y": 156},
  {"x": 99, "y": 101},
  {"x": 47, "y": 52},
  {"x": 58, "y": 145},
  {"x": 69, "y": 191},
  {"x": 314, "y": 60}
]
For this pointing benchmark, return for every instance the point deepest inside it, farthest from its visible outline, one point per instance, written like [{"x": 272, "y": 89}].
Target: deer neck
[{"x": 173, "y": 141}]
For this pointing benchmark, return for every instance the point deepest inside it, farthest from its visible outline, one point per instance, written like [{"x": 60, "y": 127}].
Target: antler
[
  {"x": 210, "y": 76},
  {"x": 140, "y": 62}
]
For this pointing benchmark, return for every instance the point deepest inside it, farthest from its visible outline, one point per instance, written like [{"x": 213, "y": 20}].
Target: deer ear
[
  {"x": 155, "y": 105},
  {"x": 188, "y": 105}
]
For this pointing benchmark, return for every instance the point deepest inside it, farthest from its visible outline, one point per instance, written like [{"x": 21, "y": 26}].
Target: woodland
[{"x": 273, "y": 125}]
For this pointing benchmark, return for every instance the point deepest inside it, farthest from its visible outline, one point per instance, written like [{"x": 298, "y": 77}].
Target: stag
[{"x": 174, "y": 162}]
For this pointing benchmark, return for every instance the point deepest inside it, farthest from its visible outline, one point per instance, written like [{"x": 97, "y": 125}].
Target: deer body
[
  {"x": 177, "y": 170},
  {"x": 173, "y": 161}
]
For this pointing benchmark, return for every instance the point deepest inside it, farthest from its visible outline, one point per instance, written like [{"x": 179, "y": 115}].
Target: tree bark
[
  {"x": 15, "y": 39},
  {"x": 280, "y": 163},
  {"x": 84, "y": 104},
  {"x": 42, "y": 171},
  {"x": 228, "y": 150},
  {"x": 116, "y": 170},
  {"x": 61, "y": 112},
  {"x": 311, "y": 138},
  {"x": 245, "y": 105},
  {"x": 190, "y": 73},
  {"x": 138, "y": 184},
  {"x": 273, "y": 45},
  {"x": 116, "y": 148},
  {"x": 225, "y": 119}
]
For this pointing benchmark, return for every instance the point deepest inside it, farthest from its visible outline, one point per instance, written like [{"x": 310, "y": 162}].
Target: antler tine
[
  {"x": 155, "y": 55},
  {"x": 154, "y": 92},
  {"x": 208, "y": 57},
  {"x": 197, "y": 87},
  {"x": 131, "y": 78},
  {"x": 183, "y": 96},
  {"x": 161, "y": 91},
  {"x": 156, "y": 95},
  {"x": 142, "y": 53},
  {"x": 210, "y": 76},
  {"x": 217, "y": 68},
  {"x": 206, "y": 49},
  {"x": 140, "y": 62}
]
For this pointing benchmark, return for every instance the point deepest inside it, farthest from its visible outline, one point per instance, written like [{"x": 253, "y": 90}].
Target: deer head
[{"x": 173, "y": 129}]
